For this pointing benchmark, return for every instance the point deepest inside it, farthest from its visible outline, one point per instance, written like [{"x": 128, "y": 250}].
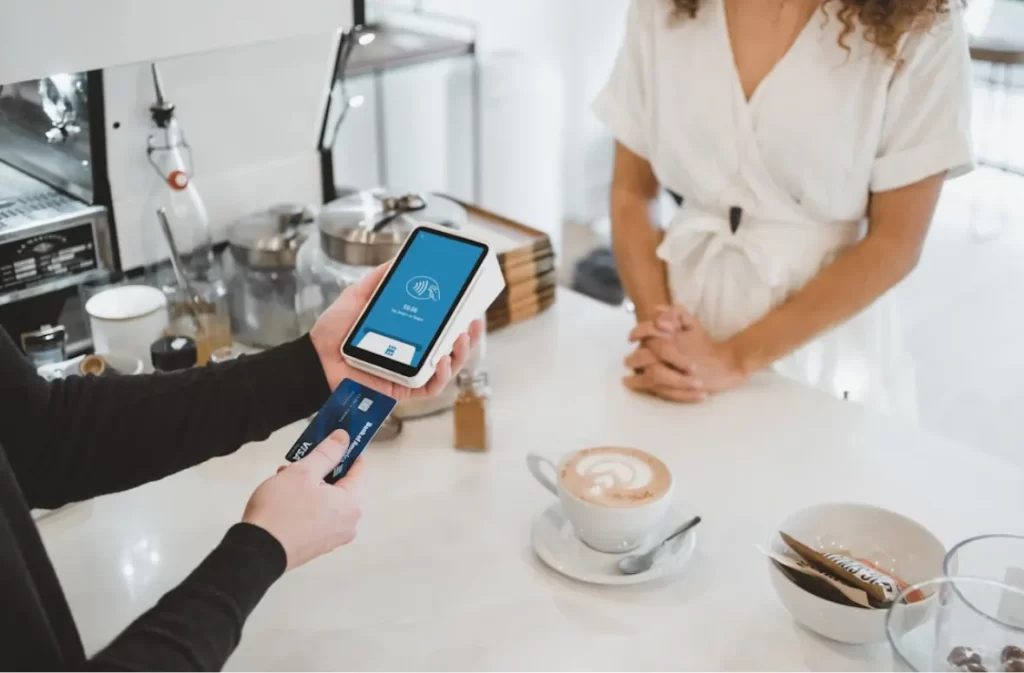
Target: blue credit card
[{"x": 354, "y": 408}]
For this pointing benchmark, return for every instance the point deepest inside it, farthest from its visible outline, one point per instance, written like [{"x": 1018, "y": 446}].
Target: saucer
[{"x": 559, "y": 548}]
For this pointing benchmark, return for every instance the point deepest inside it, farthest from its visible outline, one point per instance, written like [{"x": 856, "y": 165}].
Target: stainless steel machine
[
  {"x": 251, "y": 80},
  {"x": 55, "y": 228}
]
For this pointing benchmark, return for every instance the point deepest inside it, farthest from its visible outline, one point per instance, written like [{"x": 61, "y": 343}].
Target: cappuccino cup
[{"x": 613, "y": 497}]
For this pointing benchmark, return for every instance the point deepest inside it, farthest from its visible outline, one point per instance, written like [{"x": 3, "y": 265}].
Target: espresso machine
[
  {"x": 250, "y": 79},
  {"x": 55, "y": 230}
]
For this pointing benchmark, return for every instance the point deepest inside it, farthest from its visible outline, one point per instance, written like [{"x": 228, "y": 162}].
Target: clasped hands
[{"x": 677, "y": 360}]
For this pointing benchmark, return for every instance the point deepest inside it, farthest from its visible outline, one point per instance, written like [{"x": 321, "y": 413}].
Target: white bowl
[{"x": 897, "y": 544}]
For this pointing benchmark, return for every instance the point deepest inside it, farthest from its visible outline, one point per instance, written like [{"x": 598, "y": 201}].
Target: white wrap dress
[{"x": 794, "y": 166}]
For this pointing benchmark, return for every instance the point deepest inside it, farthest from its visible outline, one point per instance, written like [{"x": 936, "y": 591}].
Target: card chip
[{"x": 365, "y": 404}]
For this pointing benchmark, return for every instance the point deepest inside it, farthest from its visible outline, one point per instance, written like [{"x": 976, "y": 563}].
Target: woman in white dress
[{"x": 808, "y": 142}]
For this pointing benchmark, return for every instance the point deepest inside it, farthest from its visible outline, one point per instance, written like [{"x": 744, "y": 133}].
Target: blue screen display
[{"x": 414, "y": 302}]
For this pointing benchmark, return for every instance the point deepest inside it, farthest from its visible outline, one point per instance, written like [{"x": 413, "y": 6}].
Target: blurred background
[
  {"x": 963, "y": 304},
  {"x": 484, "y": 101}
]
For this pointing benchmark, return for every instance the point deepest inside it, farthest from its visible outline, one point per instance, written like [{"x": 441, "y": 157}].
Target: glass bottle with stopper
[{"x": 198, "y": 306}]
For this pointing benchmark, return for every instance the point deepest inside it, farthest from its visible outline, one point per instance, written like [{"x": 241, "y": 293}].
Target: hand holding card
[
  {"x": 355, "y": 411},
  {"x": 306, "y": 517}
]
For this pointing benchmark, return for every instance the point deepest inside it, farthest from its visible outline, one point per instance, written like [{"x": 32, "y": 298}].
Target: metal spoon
[
  {"x": 193, "y": 301},
  {"x": 641, "y": 563}
]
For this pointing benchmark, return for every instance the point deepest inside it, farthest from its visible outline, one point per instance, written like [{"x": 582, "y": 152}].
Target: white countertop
[{"x": 442, "y": 575}]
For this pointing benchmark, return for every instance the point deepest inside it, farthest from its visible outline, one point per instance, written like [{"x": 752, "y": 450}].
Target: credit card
[{"x": 354, "y": 408}]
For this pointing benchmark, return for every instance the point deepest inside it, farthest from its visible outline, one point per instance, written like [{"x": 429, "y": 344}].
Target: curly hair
[{"x": 884, "y": 21}]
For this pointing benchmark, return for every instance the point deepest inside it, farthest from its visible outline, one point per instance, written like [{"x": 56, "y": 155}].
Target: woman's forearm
[
  {"x": 898, "y": 222},
  {"x": 842, "y": 289},
  {"x": 635, "y": 242}
]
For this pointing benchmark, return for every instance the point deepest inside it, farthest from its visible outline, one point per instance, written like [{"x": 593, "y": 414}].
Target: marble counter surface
[{"x": 442, "y": 575}]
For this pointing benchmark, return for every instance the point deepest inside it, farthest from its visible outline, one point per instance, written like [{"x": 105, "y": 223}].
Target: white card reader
[{"x": 439, "y": 282}]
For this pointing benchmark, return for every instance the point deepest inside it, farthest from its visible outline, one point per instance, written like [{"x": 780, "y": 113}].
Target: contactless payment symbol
[{"x": 423, "y": 288}]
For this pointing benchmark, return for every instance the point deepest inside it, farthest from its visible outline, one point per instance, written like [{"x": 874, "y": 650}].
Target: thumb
[
  {"x": 326, "y": 456},
  {"x": 667, "y": 323}
]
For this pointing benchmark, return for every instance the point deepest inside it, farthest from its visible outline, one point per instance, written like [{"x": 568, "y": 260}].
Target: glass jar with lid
[
  {"x": 262, "y": 290},
  {"x": 355, "y": 234}
]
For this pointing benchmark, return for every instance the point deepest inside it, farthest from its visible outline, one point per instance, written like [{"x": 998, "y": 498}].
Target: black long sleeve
[
  {"x": 197, "y": 626},
  {"x": 74, "y": 439}
]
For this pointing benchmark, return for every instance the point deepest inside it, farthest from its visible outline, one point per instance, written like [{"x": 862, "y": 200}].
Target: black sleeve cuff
[{"x": 243, "y": 566}]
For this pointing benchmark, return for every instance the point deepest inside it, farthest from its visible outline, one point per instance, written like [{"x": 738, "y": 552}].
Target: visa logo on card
[{"x": 354, "y": 408}]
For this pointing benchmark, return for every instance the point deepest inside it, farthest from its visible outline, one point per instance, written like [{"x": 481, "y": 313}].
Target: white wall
[
  {"x": 579, "y": 37},
  {"x": 225, "y": 102},
  {"x": 39, "y": 38},
  {"x": 601, "y": 26}
]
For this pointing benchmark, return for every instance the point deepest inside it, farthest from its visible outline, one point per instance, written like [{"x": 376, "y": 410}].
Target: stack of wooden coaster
[{"x": 527, "y": 260}]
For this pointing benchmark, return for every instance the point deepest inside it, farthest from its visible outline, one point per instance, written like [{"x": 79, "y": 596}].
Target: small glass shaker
[
  {"x": 472, "y": 431},
  {"x": 46, "y": 345}
]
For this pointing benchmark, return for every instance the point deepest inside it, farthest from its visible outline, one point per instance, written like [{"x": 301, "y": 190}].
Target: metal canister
[
  {"x": 264, "y": 247},
  {"x": 368, "y": 228}
]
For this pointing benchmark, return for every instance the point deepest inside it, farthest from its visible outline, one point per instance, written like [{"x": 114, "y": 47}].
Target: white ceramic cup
[
  {"x": 127, "y": 319},
  {"x": 613, "y": 530}
]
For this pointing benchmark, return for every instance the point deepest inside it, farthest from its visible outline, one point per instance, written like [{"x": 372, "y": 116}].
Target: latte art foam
[
  {"x": 615, "y": 477},
  {"x": 611, "y": 471}
]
